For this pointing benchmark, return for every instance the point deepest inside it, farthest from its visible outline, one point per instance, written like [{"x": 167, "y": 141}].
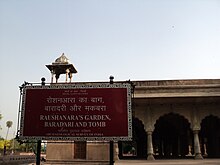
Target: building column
[
  {"x": 150, "y": 150},
  {"x": 197, "y": 150},
  {"x": 52, "y": 74},
  {"x": 70, "y": 76},
  {"x": 116, "y": 151},
  {"x": 57, "y": 77},
  {"x": 66, "y": 77},
  {"x": 67, "y": 73}
]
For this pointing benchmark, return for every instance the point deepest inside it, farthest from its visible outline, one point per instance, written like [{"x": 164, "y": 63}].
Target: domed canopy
[
  {"x": 61, "y": 66},
  {"x": 62, "y": 60}
]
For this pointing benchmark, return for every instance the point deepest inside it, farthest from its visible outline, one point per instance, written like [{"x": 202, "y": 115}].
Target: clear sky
[{"x": 129, "y": 39}]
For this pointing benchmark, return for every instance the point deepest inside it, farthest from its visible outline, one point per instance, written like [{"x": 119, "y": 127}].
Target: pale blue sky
[{"x": 129, "y": 39}]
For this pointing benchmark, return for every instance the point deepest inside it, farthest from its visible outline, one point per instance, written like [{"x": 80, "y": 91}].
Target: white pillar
[
  {"x": 67, "y": 72},
  {"x": 52, "y": 74},
  {"x": 70, "y": 76},
  {"x": 150, "y": 150},
  {"x": 66, "y": 77},
  {"x": 197, "y": 150}
]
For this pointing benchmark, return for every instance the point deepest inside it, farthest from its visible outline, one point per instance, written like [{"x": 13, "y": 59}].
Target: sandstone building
[{"x": 177, "y": 118}]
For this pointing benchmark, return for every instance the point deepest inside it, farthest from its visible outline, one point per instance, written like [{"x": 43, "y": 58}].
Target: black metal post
[
  {"x": 111, "y": 155},
  {"x": 38, "y": 156},
  {"x": 111, "y": 143},
  {"x": 38, "y": 152}
]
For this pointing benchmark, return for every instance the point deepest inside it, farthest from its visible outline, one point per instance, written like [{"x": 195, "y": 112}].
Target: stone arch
[
  {"x": 210, "y": 116},
  {"x": 210, "y": 136},
  {"x": 154, "y": 121},
  {"x": 137, "y": 147},
  {"x": 207, "y": 114},
  {"x": 172, "y": 136}
]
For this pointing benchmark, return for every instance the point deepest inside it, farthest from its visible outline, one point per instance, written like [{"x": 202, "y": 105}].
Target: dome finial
[{"x": 62, "y": 60}]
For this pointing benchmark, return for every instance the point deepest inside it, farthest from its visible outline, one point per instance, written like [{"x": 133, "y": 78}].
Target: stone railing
[{"x": 16, "y": 159}]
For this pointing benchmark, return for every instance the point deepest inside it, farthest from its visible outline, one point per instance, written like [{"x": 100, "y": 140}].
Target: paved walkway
[
  {"x": 169, "y": 162},
  {"x": 155, "y": 162}
]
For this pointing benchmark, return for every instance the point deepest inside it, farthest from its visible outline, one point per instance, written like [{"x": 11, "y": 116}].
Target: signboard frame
[{"x": 79, "y": 86}]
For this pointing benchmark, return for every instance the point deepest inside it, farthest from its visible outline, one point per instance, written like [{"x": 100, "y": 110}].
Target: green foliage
[
  {"x": 31, "y": 146},
  {"x": 14, "y": 145},
  {"x": 7, "y": 143},
  {"x": 2, "y": 142}
]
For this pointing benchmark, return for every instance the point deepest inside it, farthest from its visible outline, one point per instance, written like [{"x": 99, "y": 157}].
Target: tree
[{"x": 8, "y": 124}]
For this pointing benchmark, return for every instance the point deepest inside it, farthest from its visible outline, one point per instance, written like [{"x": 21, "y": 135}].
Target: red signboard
[{"x": 77, "y": 112}]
